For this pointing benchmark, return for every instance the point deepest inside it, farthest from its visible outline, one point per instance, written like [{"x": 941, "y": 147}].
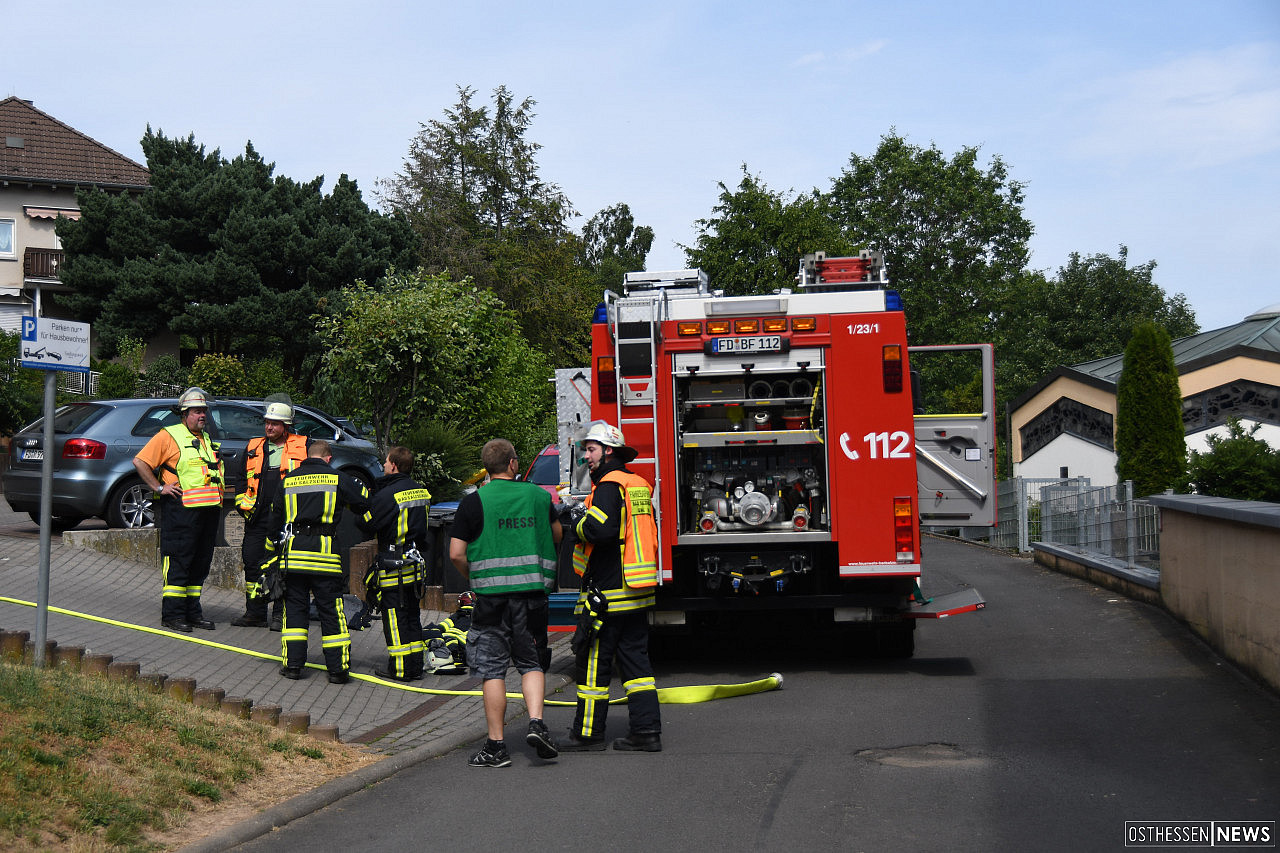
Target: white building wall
[
  {"x": 1081, "y": 458},
  {"x": 1199, "y": 441}
]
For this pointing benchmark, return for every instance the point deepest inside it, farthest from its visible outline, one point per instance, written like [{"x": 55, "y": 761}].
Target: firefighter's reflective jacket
[
  {"x": 199, "y": 470},
  {"x": 292, "y": 454},
  {"x": 618, "y": 538},
  {"x": 399, "y": 515},
  {"x": 307, "y": 509}
]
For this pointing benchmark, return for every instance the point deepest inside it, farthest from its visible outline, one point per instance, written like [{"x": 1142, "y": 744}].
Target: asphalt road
[{"x": 1042, "y": 723}]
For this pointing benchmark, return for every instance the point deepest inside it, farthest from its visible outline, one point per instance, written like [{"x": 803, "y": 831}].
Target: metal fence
[
  {"x": 74, "y": 382},
  {"x": 1018, "y": 510},
  {"x": 1105, "y": 520},
  {"x": 1108, "y": 520}
]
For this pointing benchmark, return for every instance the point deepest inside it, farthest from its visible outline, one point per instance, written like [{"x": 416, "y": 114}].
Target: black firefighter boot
[
  {"x": 255, "y": 614},
  {"x": 639, "y": 742}
]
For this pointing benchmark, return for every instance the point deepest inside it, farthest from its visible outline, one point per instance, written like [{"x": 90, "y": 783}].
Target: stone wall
[{"x": 1220, "y": 573}]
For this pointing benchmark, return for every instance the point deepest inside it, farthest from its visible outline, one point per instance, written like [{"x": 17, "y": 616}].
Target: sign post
[{"x": 50, "y": 345}]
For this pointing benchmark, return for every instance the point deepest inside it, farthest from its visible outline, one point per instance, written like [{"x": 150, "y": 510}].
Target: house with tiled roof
[
  {"x": 1064, "y": 426},
  {"x": 42, "y": 164}
]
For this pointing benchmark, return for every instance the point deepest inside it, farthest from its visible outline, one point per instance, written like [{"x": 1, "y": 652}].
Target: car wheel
[
  {"x": 60, "y": 522},
  {"x": 130, "y": 505}
]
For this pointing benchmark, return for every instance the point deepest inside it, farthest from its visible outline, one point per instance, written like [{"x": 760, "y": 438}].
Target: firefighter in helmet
[
  {"x": 181, "y": 464},
  {"x": 397, "y": 576},
  {"x": 306, "y": 511},
  {"x": 617, "y": 555},
  {"x": 267, "y": 459}
]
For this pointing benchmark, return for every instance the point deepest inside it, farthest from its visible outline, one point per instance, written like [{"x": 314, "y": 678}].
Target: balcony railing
[{"x": 41, "y": 263}]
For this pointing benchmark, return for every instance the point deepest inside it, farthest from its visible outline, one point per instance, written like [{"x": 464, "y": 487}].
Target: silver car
[{"x": 95, "y": 442}]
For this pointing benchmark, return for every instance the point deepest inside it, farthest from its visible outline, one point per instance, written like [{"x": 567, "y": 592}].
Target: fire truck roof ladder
[
  {"x": 636, "y": 324},
  {"x": 693, "y": 280},
  {"x": 819, "y": 273}
]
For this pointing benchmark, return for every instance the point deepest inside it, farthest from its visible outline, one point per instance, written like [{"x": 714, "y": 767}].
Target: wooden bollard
[
  {"x": 182, "y": 689},
  {"x": 123, "y": 671},
  {"x": 323, "y": 732},
  {"x": 295, "y": 721},
  {"x": 68, "y": 657},
  {"x": 361, "y": 557},
  {"x": 268, "y": 715},
  {"x": 208, "y": 697},
  {"x": 29, "y": 651},
  {"x": 152, "y": 682},
  {"x": 237, "y": 706},
  {"x": 13, "y": 644},
  {"x": 434, "y": 598},
  {"x": 96, "y": 663}
]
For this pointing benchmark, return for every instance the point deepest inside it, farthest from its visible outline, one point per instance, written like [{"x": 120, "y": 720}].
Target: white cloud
[
  {"x": 853, "y": 54},
  {"x": 1201, "y": 110}
]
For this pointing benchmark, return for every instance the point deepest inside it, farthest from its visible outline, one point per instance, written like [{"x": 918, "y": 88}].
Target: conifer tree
[{"x": 1150, "y": 440}]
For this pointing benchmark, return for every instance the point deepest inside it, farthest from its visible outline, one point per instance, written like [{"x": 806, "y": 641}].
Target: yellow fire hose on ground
[{"x": 689, "y": 695}]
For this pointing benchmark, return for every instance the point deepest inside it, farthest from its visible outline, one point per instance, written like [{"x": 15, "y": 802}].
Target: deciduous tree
[
  {"x": 472, "y": 189},
  {"x": 613, "y": 245},
  {"x": 953, "y": 233},
  {"x": 755, "y": 237},
  {"x": 425, "y": 347}
]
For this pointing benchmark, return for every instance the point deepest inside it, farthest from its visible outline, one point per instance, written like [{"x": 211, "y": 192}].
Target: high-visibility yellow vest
[
  {"x": 200, "y": 471},
  {"x": 294, "y": 451},
  {"x": 639, "y": 530}
]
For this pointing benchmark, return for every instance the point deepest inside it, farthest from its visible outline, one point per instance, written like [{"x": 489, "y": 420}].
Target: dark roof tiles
[
  {"x": 39, "y": 148},
  {"x": 1257, "y": 336}
]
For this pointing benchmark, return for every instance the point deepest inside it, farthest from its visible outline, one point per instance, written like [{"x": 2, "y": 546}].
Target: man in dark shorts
[{"x": 503, "y": 540}]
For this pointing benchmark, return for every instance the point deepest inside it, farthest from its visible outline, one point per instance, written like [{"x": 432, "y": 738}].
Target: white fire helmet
[
  {"x": 282, "y": 412},
  {"x": 609, "y": 435},
  {"x": 193, "y": 397},
  {"x": 438, "y": 656}
]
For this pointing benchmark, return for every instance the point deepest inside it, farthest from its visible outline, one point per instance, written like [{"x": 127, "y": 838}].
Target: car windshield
[{"x": 546, "y": 470}]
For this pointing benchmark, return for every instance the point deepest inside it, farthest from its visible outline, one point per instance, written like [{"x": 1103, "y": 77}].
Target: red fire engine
[{"x": 791, "y": 469}]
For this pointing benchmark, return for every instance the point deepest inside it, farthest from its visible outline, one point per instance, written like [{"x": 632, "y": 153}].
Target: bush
[
  {"x": 220, "y": 375},
  {"x": 164, "y": 375},
  {"x": 445, "y": 455},
  {"x": 117, "y": 381},
  {"x": 20, "y": 388},
  {"x": 266, "y": 377},
  {"x": 1237, "y": 466}
]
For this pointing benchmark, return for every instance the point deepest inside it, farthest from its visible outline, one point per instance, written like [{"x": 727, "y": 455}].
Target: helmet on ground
[
  {"x": 610, "y": 436},
  {"x": 438, "y": 656},
  {"x": 193, "y": 397},
  {"x": 467, "y": 599},
  {"x": 282, "y": 412}
]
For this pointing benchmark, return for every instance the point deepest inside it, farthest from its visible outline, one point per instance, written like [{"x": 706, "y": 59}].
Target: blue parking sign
[{"x": 28, "y": 328}]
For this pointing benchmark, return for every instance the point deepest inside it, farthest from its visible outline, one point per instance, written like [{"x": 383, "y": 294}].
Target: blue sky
[{"x": 1149, "y": 123}]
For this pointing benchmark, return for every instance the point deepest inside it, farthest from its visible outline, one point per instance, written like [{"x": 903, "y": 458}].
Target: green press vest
[{"x": 515, "y": 551}]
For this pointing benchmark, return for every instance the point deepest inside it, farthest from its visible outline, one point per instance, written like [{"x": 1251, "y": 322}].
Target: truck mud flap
[{"x": 942, "y": 606}]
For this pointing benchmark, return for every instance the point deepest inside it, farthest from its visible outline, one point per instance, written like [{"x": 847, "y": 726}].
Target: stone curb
[{"x": 17, "y": 649}]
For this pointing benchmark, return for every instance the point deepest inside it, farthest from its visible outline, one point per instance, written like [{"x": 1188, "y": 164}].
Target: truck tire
[
  {"x": 897, "y": 641},
  {"x": 130, "y": 505}
]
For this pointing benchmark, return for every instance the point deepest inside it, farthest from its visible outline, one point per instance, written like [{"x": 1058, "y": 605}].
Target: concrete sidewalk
[{"x": 388, "y": 718}]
